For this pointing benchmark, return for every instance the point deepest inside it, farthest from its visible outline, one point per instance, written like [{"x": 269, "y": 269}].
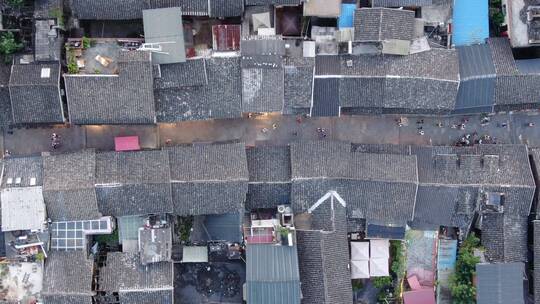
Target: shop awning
[{"x": 126, "y": 143}]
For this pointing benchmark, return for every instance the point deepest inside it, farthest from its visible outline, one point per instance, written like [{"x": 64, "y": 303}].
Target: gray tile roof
[
  {"x": 23, "y": 167},
  {"x": 146, "y": 297},
  {"x": 75, "y": 200},
  {"x": 273, "y": 2},
  {"x": 268, "y": 195},
  {"x": 378, "y": 24},
  {"x": 225, "y": 8},
  {"x": 124, "y": 273},
  {"x": 517, "y": 89},
  {"x": 310, "y": 159},
  {"x": 132, "y": 9},
  {"x": 262, "y": 88},
  {"x": 208, "y": 179},
  {"x": 384, "y": 167},
  {"x": 420, "y": 86},
  {"x": 269, "y": 164},
  {"x": 369, "y": 183},
  {"x": 504, "y": 237},
  {"x": 133, "y": 183},
  {"x": 536, "y": 260},
  {"x": 220, "y": 98},
  {"x": 435, "y": 206},
  {"x": 68, "y": 274},
  {"x": 262, "y": 45},
  {"x": 500, "y": 283},
  {"x": 400, "y": 3},
  {"x": 107, "y": 10},
  {"x": 194, "y": 7},
  {"x": 219, "y": 162},
  {"x": 298, "y": 79},
  {"x": 184, "y": 74},
  {"x": 272, "y": 274},
  {"x": 372, "y": 83},
  {"x": 324, "y": 258},
  {"x": 6, "y": 115},
  {"x": 127, "y": 98},
  {"x": 269, "y": 177},
  {"x": 503, "y": 60},
  {"x": 200, "y": 198},
  {"x": 27, "y": 87},
  {"x": 61, "y": 299},
  {"x": 482, "y": 165}
]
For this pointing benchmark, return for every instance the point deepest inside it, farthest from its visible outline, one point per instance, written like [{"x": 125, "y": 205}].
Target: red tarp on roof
[
  {"x": 424, "y": 296},
  {"x": 126, "y": 143}
]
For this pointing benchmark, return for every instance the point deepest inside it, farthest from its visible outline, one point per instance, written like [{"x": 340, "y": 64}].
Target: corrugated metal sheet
[
  {"x": 528, "y": 66},
  {"x": 226, "y": 37},
  {"x": 500, "y": 283},
  {"x": 476, "y": 94},
  {"x": 325, "y": 97},
  {"x": 385, "y": 232},
  {"x": 272, "y": 274},
  {"x": 475, "y": 60},
  {"x": 471, "y": 23},
  {"x": 477, "y": 72}
]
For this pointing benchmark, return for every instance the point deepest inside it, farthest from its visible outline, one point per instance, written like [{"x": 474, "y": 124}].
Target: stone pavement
[{"x": 281, "y": 130}]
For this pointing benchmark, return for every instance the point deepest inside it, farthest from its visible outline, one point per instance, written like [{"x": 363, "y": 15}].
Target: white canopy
[
  {"x": 359, "y": 251},
  {"x": 378, "y": 267},
  {"x": 380, "y": 249},
  {"x": 359, "y": 269}
]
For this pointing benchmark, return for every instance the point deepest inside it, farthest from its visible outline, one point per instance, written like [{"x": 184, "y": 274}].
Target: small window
[
  {"x": 9, "y": 181},
  {"x": 32, "y": 181},
  {"x": 45, "y": 73},
  {"x": 17, "y": 180}
]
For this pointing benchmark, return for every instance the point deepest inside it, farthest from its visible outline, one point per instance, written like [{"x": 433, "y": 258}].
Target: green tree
[
  {"x": 461, "y": 285},
  {"x": 15, "y": 3},
  {"x": 381, "y": 282},
  {"x": 8, "y": 45}
]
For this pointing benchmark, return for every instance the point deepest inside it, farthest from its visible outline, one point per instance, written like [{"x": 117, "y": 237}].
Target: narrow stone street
[{"x": 517, "y": 128}]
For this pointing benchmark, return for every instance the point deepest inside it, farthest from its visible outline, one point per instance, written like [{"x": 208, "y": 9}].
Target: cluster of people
[
  {"x": 473, "y": 139},
  {"x": 55, "y": 141}
]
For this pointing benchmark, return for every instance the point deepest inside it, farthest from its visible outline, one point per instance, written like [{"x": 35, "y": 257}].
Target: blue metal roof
[
  {"x": 347, "y": 15},
  {"x": 471, "y": 22}
]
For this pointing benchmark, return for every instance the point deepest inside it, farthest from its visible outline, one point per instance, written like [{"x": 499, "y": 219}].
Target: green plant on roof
[
  {"x": 58, "y": 14},
  {"x": 283, "y": 231},
  {"x": 72, "y": 67},
  {"x": 461, "y": 282},
  {"x": 40, "y": 257},
  {"x": 15, "y": 3},
  {"x": 85, "y": 42}
]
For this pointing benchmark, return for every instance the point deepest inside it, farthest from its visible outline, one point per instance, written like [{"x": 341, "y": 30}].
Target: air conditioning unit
[{"x": 281, "y": 208}]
